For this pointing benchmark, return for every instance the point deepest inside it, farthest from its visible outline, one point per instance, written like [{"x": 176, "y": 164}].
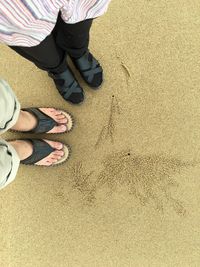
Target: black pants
[{"x": 50, "y": 54}]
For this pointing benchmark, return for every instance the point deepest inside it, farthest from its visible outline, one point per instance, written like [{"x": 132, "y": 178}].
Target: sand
[{"x": 129, "y": 195}]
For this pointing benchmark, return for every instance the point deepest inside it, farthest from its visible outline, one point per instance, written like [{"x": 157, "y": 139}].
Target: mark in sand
[
  {"x": 126, "y": 70},
  {"x": 108, "y": 130},
  {"x": 149, "y": 179},
  {"x": 81, "y": 181},
  {"x": 60, "y": 193}
]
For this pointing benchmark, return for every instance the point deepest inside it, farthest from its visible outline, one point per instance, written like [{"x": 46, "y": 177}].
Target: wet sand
[{"x": 129, "y": 195}]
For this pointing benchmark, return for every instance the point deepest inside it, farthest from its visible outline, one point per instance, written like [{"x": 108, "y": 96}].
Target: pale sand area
[{"x": 130, "y": 194}]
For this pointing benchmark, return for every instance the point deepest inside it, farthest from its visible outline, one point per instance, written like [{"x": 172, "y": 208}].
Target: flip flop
[
  {"x": 41, "y": 150},
  {"x": 46, "y": 123}
]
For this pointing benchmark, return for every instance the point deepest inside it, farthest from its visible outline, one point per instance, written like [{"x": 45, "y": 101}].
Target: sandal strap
[
  {"x": 66, "y": 76},
  {"x": 68, "y": 85},
  {"x": 44, "y": 122},
  {"x": 89, "y": 74},
  {"x": 41, "y": 150},
  {"x": 88, "y": 66},
  {"x": 67, "y": 91},
  {"x": 86, "y": 62}
]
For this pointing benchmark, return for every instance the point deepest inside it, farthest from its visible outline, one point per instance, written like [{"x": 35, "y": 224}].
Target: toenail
[
  {"x": 60, "y": 146},
  {"x": 63, "y": 128}
]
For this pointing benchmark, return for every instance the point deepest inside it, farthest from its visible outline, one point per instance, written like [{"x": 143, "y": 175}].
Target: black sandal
[
  {"x": 41, "y": 150},
  {"x": 68, "y": 87},
  {"x": 90, "y": 70},
  {"x": 46, "y": 123}
]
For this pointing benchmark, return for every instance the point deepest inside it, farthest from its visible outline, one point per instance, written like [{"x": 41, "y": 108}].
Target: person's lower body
[
  {"x": 50, "y": 55},
  {"x": 29, "y": 151},
  {"x": 9, "y": 113}
]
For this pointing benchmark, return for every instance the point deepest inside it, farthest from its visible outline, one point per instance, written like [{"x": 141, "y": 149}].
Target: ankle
[
  {"x": 25, "y": 121},
  {"x": 24, "y": 149},
  {"x": 16, "y": 145}
]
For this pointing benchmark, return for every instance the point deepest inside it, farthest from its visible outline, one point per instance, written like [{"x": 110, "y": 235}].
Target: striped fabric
[{"x": 28, "y": 22}]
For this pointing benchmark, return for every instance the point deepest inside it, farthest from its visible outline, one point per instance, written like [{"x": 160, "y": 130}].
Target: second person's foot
[
  {"x": 68, "y": 86},
  {"x": 90, "y": 69}
]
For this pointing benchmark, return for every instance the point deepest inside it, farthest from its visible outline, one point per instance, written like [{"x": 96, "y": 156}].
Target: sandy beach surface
[{"x": 130, "y": 194}]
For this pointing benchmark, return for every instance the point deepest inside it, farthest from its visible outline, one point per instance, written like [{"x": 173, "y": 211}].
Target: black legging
[{"x": 50, "y": 54}]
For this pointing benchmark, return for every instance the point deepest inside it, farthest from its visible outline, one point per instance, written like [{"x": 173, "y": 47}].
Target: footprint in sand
[{"x": 108, "y": 130}]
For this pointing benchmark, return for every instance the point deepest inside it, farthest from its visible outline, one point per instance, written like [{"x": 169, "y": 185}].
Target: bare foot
[
  {"x": 27, "y": 121},
  {"x": 24, "y": 149}
]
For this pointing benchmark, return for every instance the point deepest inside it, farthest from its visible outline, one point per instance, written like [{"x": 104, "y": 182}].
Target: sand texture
[{"x": 130, "y": 194}]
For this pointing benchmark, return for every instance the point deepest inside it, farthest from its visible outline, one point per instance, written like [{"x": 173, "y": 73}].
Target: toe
[
  {"x": 58, "y": 153},
  {"x": 54, "y": 160},
  {"x": 56, "y": 112},
  {"x": 44, "y": 163},
  {"x": 62, "y": 121},
  {"x": 56, "y": 145},
  {"x": 60, "y": 116},
  {"x": 59, "y": 129},
  {"x": 56, "y": 156}
]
